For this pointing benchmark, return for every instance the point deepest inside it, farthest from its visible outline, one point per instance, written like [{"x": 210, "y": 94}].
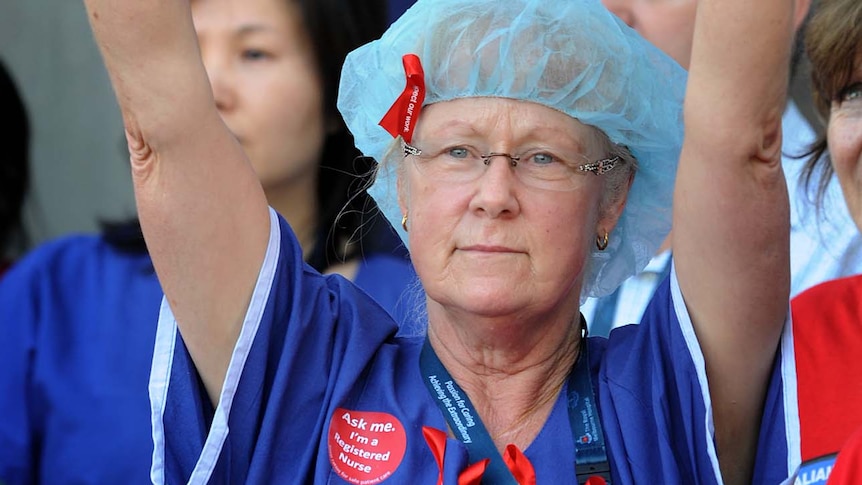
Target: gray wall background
[{"x": 79, "y": 162}]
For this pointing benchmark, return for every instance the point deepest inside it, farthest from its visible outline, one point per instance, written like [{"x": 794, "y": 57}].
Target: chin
[{"x": 488, "y": 301}]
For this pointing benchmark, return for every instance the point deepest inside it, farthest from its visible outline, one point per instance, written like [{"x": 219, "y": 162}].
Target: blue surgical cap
[{"x": 570, "y": 55}]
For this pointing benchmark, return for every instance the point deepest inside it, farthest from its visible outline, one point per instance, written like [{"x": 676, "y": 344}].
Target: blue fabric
[
  {"x": 322, "y": 348},
  {"x": 392, "y": 282},
  {"x": 397, "y": 7},
  {"x": 626, "y": 305},
  {"x": 78, "y": 319}
]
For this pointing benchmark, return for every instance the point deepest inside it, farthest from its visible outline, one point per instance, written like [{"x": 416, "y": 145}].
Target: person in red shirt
[
  {"x": 827, "y": 318},
  {"x": 848, "y": 466}
]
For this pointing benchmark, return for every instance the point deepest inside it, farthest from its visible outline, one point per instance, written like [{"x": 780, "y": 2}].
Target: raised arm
[
  {"x": 731, "y": 214},
  {"x": 202, "y": 209}
]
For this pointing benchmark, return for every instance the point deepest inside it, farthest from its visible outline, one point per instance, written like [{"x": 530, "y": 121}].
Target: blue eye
[
  {"x": 543, "y": 159},
  {"x": 458, "y": 152}
]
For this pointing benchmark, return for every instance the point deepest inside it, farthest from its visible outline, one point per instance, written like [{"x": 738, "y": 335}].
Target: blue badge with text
[{"x": 815, "y": 471}]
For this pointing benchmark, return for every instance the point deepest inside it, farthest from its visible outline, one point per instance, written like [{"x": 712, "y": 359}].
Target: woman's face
[
  {"x": 266, "y": 84},
  {"x": 845, "y": 142},
  {"x": 496, "y": 246}
]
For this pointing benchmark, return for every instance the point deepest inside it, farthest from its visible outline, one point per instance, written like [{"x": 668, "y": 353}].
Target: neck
[
  {"x": 513, "y": 381},
  {"x": 297, "y": 203}
]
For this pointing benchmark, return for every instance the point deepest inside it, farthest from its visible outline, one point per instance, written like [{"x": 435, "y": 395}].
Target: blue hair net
[{"x": 573, "y": 56}]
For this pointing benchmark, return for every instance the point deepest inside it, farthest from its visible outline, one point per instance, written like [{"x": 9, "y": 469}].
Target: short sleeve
[
  {"x": 653, "y": 389},
  {"x": 302, "y": 345}
]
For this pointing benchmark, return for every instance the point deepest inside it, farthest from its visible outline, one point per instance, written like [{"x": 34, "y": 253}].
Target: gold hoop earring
[
  {"x": 602, "y": 242},
  {"x": 404, "y": 222}
]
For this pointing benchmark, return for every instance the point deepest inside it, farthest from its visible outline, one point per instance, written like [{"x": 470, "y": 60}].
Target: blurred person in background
[
  {"x": 79, "y": 314},
  {"x": 15, "y": 168}
]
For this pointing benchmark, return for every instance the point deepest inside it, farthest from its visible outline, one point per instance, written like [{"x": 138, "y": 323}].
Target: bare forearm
[
  {"x": 201, "y": 207},
  {"x": 731, "y": 214},
  {"x": 731, "y": 209}
]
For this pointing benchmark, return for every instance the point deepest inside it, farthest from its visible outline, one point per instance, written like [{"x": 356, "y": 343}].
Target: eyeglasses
[{"x": 540, "y": 168}]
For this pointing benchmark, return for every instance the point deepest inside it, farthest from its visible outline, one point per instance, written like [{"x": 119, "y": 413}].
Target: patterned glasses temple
[{"x": 600, "y": 167}]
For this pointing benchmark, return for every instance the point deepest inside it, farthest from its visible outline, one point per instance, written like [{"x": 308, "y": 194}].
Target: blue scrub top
[
  {"x": 321, "y": 390},
  {"x": 78, "y": 320}
]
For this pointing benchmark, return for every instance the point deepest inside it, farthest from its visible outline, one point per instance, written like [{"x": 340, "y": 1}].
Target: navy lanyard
[{"x": 590, "y": 453}]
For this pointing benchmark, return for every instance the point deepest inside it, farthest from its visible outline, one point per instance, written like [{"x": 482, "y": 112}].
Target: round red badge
[{"x": 365, "y": 447}]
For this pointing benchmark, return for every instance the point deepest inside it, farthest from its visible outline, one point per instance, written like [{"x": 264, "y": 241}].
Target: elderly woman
[
  {"x": 826, "y": 319},
  {"x": 516, "y": 128}
]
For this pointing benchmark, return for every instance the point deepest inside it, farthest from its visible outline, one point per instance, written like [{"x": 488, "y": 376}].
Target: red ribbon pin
[{"x": 402, "y": 115}]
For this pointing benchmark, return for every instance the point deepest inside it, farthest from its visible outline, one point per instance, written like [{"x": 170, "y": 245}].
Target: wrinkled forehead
[{"x": 496, "y": 120}]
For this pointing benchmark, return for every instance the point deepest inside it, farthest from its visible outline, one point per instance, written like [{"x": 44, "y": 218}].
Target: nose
[
  {"x": 496, "y": 194},
  {"x": 221, "y": 83},
  {"x": 622, "y": 9}
]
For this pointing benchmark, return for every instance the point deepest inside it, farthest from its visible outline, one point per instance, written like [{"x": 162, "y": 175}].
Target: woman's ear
[{"x": 612, "y": 208}]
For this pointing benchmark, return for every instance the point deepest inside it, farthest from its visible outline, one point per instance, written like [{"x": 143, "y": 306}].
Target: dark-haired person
[
  {"x": 79, "y": 314},
  {"x": 15, "y": 166}
]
